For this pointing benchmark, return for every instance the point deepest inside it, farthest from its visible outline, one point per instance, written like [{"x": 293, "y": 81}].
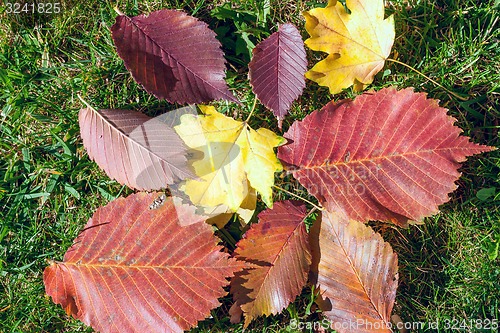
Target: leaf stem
[
  {"x": 253, "y": 109},
  {"x": 118, "y": 11},
  {"x": 428, "y": 78},
  {"x": 310, "y": 212},
  {"x": 299, "y": 197},
  {"x": 227, "y": 237},
  {"x": 85, "y": 102}
]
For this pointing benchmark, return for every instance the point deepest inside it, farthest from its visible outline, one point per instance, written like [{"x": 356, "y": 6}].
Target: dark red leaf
[
  {"x": 357, "y": 274},
  {"x": 277, "y": 70},
  {"x": 389, "y": 156},
  {"x": 173, "y": 55},
  {"x": 135, "y": 269},
  {"x": 278, "y": 249},
  {"x": 136, "y": 150}
]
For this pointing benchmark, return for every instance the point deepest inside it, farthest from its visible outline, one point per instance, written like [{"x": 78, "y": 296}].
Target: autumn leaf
[
  {"x": 388, "y": 155},
  {"x": 357, "y": 43},
  {"x": 220, "y": 215},
  {"x": 234, "y": 155},
  {"x": 135, "y": 269},
  {"x": 173, "y": 55},
  {"x": 136, "y": 150},
  {"x": 277, "y": 70},
  {"x": 279, "y": 250},
  {"x": 356, "y": 272}
]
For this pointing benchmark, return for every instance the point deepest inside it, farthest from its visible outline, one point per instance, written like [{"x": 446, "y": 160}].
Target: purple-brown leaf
[
  {"x": 136, "y": 150},
  {"x": 277, "y": 70},
  {"x": 173, "y": 55},
  {"x": 136, "y": 269}
]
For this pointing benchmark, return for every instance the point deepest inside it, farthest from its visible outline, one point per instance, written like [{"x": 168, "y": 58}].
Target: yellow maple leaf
[
  {"x": 236, "y": 159},
  {"x": 357, "y": 43}
]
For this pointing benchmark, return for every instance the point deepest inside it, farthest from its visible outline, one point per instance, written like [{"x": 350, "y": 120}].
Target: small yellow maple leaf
[
  {"x": 357, "y": 43},
  {"x": 236, "y": 159}
]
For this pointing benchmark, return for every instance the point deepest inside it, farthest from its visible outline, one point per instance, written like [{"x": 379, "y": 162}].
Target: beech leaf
[
  {"x": 357, "y": 274},
  {"x": 390, "y": 155},
  {"x": 278, "y": 247},
  {"x": 277, "y": 70},
  {"x": 135, "y": 269},
  {"x": 234, "y": 154},
  {"x": 357, "y": 43},
  {"x": 173, "y": 55},
  {"x": 136, "y": 150}
]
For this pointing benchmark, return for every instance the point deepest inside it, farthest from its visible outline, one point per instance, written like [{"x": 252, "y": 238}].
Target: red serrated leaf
[
  {"x": 173, "y": 55},
  {"x": 278, "y": 248},
  {"x": 277, "y": 70},
  {"x": 136, "y": 150},
  {"x": 389, "y": 155},
  {"x": 135, "y": 269},
  {"x": 357, "y": 274}
]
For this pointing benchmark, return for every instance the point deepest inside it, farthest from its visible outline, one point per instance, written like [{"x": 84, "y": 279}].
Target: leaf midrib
[
  {"x": 114, "y": 127},
  {"x": 278, "y": 256},
  {"x": 354, "y": 269},
  {"x": 186, "y": 68},
  {"x": 362, "y": 161},
  {"x": 142, "y": 267}
]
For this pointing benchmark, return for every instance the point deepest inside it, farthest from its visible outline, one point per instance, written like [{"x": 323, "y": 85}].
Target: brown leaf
[
  {"x": 173, "y": 55},
  {"x": 357, "y": 274},
  {"x": 277, "y": 70},
  {"x": 135, "y": 269},
  {"x": 136, "y": 150},
  {"x": 278, "y": 248},
  {"x": 389, "y": 155}
]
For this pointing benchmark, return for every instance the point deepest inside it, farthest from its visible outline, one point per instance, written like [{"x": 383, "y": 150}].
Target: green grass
[{"x": 49, "y": 188}]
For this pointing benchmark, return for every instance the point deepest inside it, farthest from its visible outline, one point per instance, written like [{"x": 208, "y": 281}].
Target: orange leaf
[
  {"x": 135, "y": 269},
  {"x": 357, "y": 274},
  {"x": 278, "y": 248}
]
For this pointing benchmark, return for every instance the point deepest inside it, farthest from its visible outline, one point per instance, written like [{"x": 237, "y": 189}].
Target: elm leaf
[
  {"x": 357, "y": 274},
  {"x": 388, "y": 155},
  {"x": 172, "y": 55},
  {"x": 277, "y": 70},
  {"x": 136, "y": 150},
  {"x": 278, "y": 248},
  {"x": 136, "y": 269}
]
